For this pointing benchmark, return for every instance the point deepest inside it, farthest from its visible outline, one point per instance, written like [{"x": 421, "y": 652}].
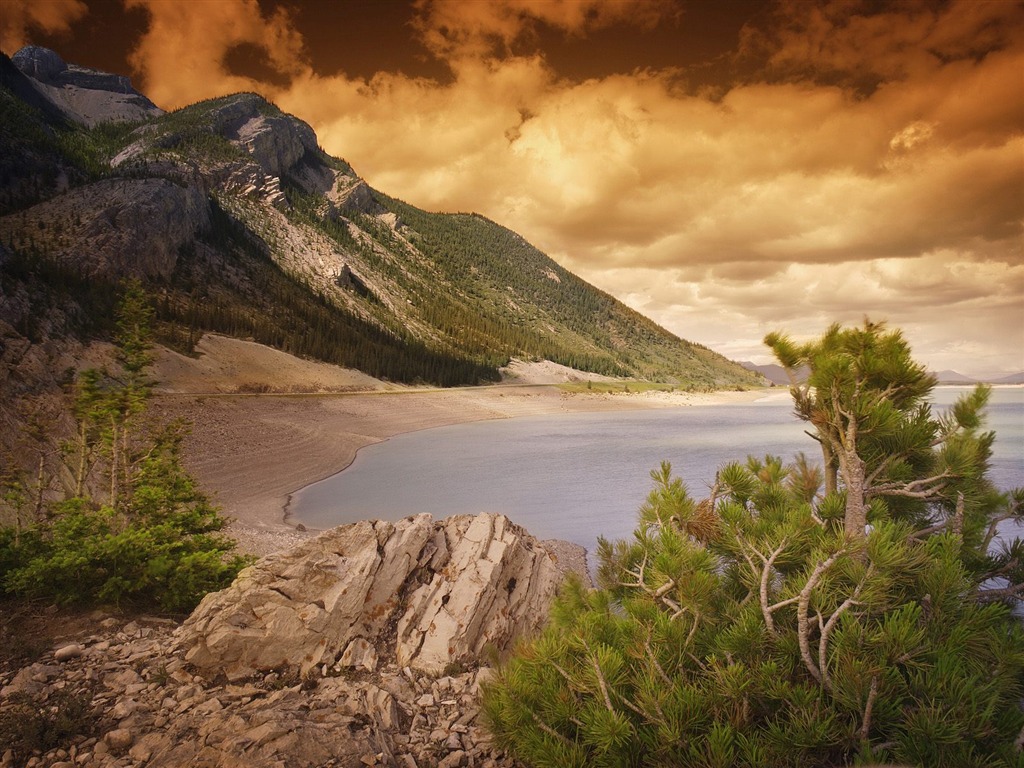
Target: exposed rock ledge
[
  {"x": 360, "y": 647},
  {"x": 426, "y": 594}
]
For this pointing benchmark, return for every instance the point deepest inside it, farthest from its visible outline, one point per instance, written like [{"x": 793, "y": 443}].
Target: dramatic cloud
[
  {"x": 18, "y": 20},
  {"x": 457, "y": 29},
  {"x": 859, "y": 158},
  {"x": 184, "y": 55}
]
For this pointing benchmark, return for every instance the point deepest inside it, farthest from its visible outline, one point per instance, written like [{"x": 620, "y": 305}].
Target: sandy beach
[{"x": 252, "y": 445}]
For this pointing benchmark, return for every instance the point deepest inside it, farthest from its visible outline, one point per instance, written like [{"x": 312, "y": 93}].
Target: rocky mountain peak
[
  {"x": 39, "y": 63},
  {"x": 84, "y": 95}
]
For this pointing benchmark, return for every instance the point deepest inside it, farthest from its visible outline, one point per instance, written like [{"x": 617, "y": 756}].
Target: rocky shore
[
  {"x": 364, "y": 646},
  {"x": 142, "y": 705}
]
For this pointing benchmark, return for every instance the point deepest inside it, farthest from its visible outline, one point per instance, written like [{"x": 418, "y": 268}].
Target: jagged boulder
[
  {"x": 426, "y": 593},
  {"x": 353, "y": 195}
]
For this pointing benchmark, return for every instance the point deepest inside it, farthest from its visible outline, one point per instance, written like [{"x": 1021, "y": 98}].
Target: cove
[{"x": 579, "y": 476}]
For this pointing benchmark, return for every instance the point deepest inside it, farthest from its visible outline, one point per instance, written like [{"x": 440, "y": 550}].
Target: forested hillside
[{"x": 236, "y": 221}]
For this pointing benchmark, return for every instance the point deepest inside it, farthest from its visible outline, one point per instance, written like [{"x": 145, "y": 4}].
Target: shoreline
[{"x": 250, "y": 453}]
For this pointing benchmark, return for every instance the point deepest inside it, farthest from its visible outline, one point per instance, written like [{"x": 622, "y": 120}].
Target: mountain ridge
[
  {"x": 239, "y": 223},
  {"x": 777, "y": 375}
]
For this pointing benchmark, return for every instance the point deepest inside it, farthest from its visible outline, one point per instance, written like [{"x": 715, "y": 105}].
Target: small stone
[
  {"x": 124, "y": 709},
  {"x": 359, "y": 653},
  {"x": 426, "y": 700},
  {"x": 148, "y": 745},
  {"x": 118, "y": 740},
  {"x": 453, "y": 760},
  {"x": 72, "y": 651}
]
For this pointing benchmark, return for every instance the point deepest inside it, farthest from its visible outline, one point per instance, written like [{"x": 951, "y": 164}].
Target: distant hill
[
  {"x": 775, "y": 373},
  {"x": 237, "y": 222},
  {"x": 953, "y": 377},
  {"x": 1013, "y": 378}
]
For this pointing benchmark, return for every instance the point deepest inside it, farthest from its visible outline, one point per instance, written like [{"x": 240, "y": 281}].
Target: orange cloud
[
  {"x": 903, "y": 40},
  {"x": 456, "y": 29},
  {"x": 796, "y": 199},
  {"x": 19, "y": 17},
  {"x": 182, "y": 55}
]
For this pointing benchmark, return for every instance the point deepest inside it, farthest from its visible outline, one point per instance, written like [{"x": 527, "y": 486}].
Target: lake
[{"x": 580, "y": 476}]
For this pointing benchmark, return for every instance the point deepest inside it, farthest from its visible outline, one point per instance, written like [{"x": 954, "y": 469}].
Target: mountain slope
[{"x": 238, "y": 222}]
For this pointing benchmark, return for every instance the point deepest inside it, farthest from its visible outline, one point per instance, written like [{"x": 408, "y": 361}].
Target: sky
[{"x": 726, "y": 167}]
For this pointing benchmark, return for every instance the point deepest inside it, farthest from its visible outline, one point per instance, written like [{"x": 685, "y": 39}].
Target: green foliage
[
  {"x": 260, "y": 301},
  {"x": 505, "y": 296},
  {"x": 765, "y": 641},
  {"x": 756, "y": 628},
  {"x": 886, "y": 452},
  {"x": 149, "y": 537}
]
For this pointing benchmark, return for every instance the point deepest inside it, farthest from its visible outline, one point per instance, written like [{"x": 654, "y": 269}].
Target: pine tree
[
  {"x": 751, "y": 629},
  {"x": 149, "y": 537}
]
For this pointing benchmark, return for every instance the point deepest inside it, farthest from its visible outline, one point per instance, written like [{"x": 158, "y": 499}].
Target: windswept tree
[
  {"x": 885, "y": 453},
  {"x": 754, "y": 628}
]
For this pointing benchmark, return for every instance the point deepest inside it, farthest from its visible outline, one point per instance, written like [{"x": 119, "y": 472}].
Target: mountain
[
  {"x": 82, "y": 95},
  {"x": 953, "y": 377},
  {"x": 775, "y": 373},
  {"x": 237, "y": 222},
  {"x": 1013, "y": 378}
]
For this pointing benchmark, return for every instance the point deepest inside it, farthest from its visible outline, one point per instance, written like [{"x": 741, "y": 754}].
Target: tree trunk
[
  {"x": 40, "y": 487},
  {"x": 80, "y": 474},
  {"x": 113, "y": 463},
  {"x": 829, "y": 466},
  {"x": 856, "y": 519}
]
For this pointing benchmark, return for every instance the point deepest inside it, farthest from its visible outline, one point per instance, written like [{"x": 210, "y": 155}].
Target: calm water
[{"x": 578, "y": 476}]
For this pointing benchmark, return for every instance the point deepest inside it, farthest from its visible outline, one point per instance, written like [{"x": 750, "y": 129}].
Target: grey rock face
[
  {"x": 86, "y": 95},
  {"x": 425, "y": 594},
  {"x": 39, "y": 63},
  {"x": 128, "y": 227},
  {"x": 276, "y": 143}
]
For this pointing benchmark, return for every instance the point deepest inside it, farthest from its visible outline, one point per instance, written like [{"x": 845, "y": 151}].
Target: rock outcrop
[
  {"x": 360, "y": 647},
  {"x": 427, "y": 595}
]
